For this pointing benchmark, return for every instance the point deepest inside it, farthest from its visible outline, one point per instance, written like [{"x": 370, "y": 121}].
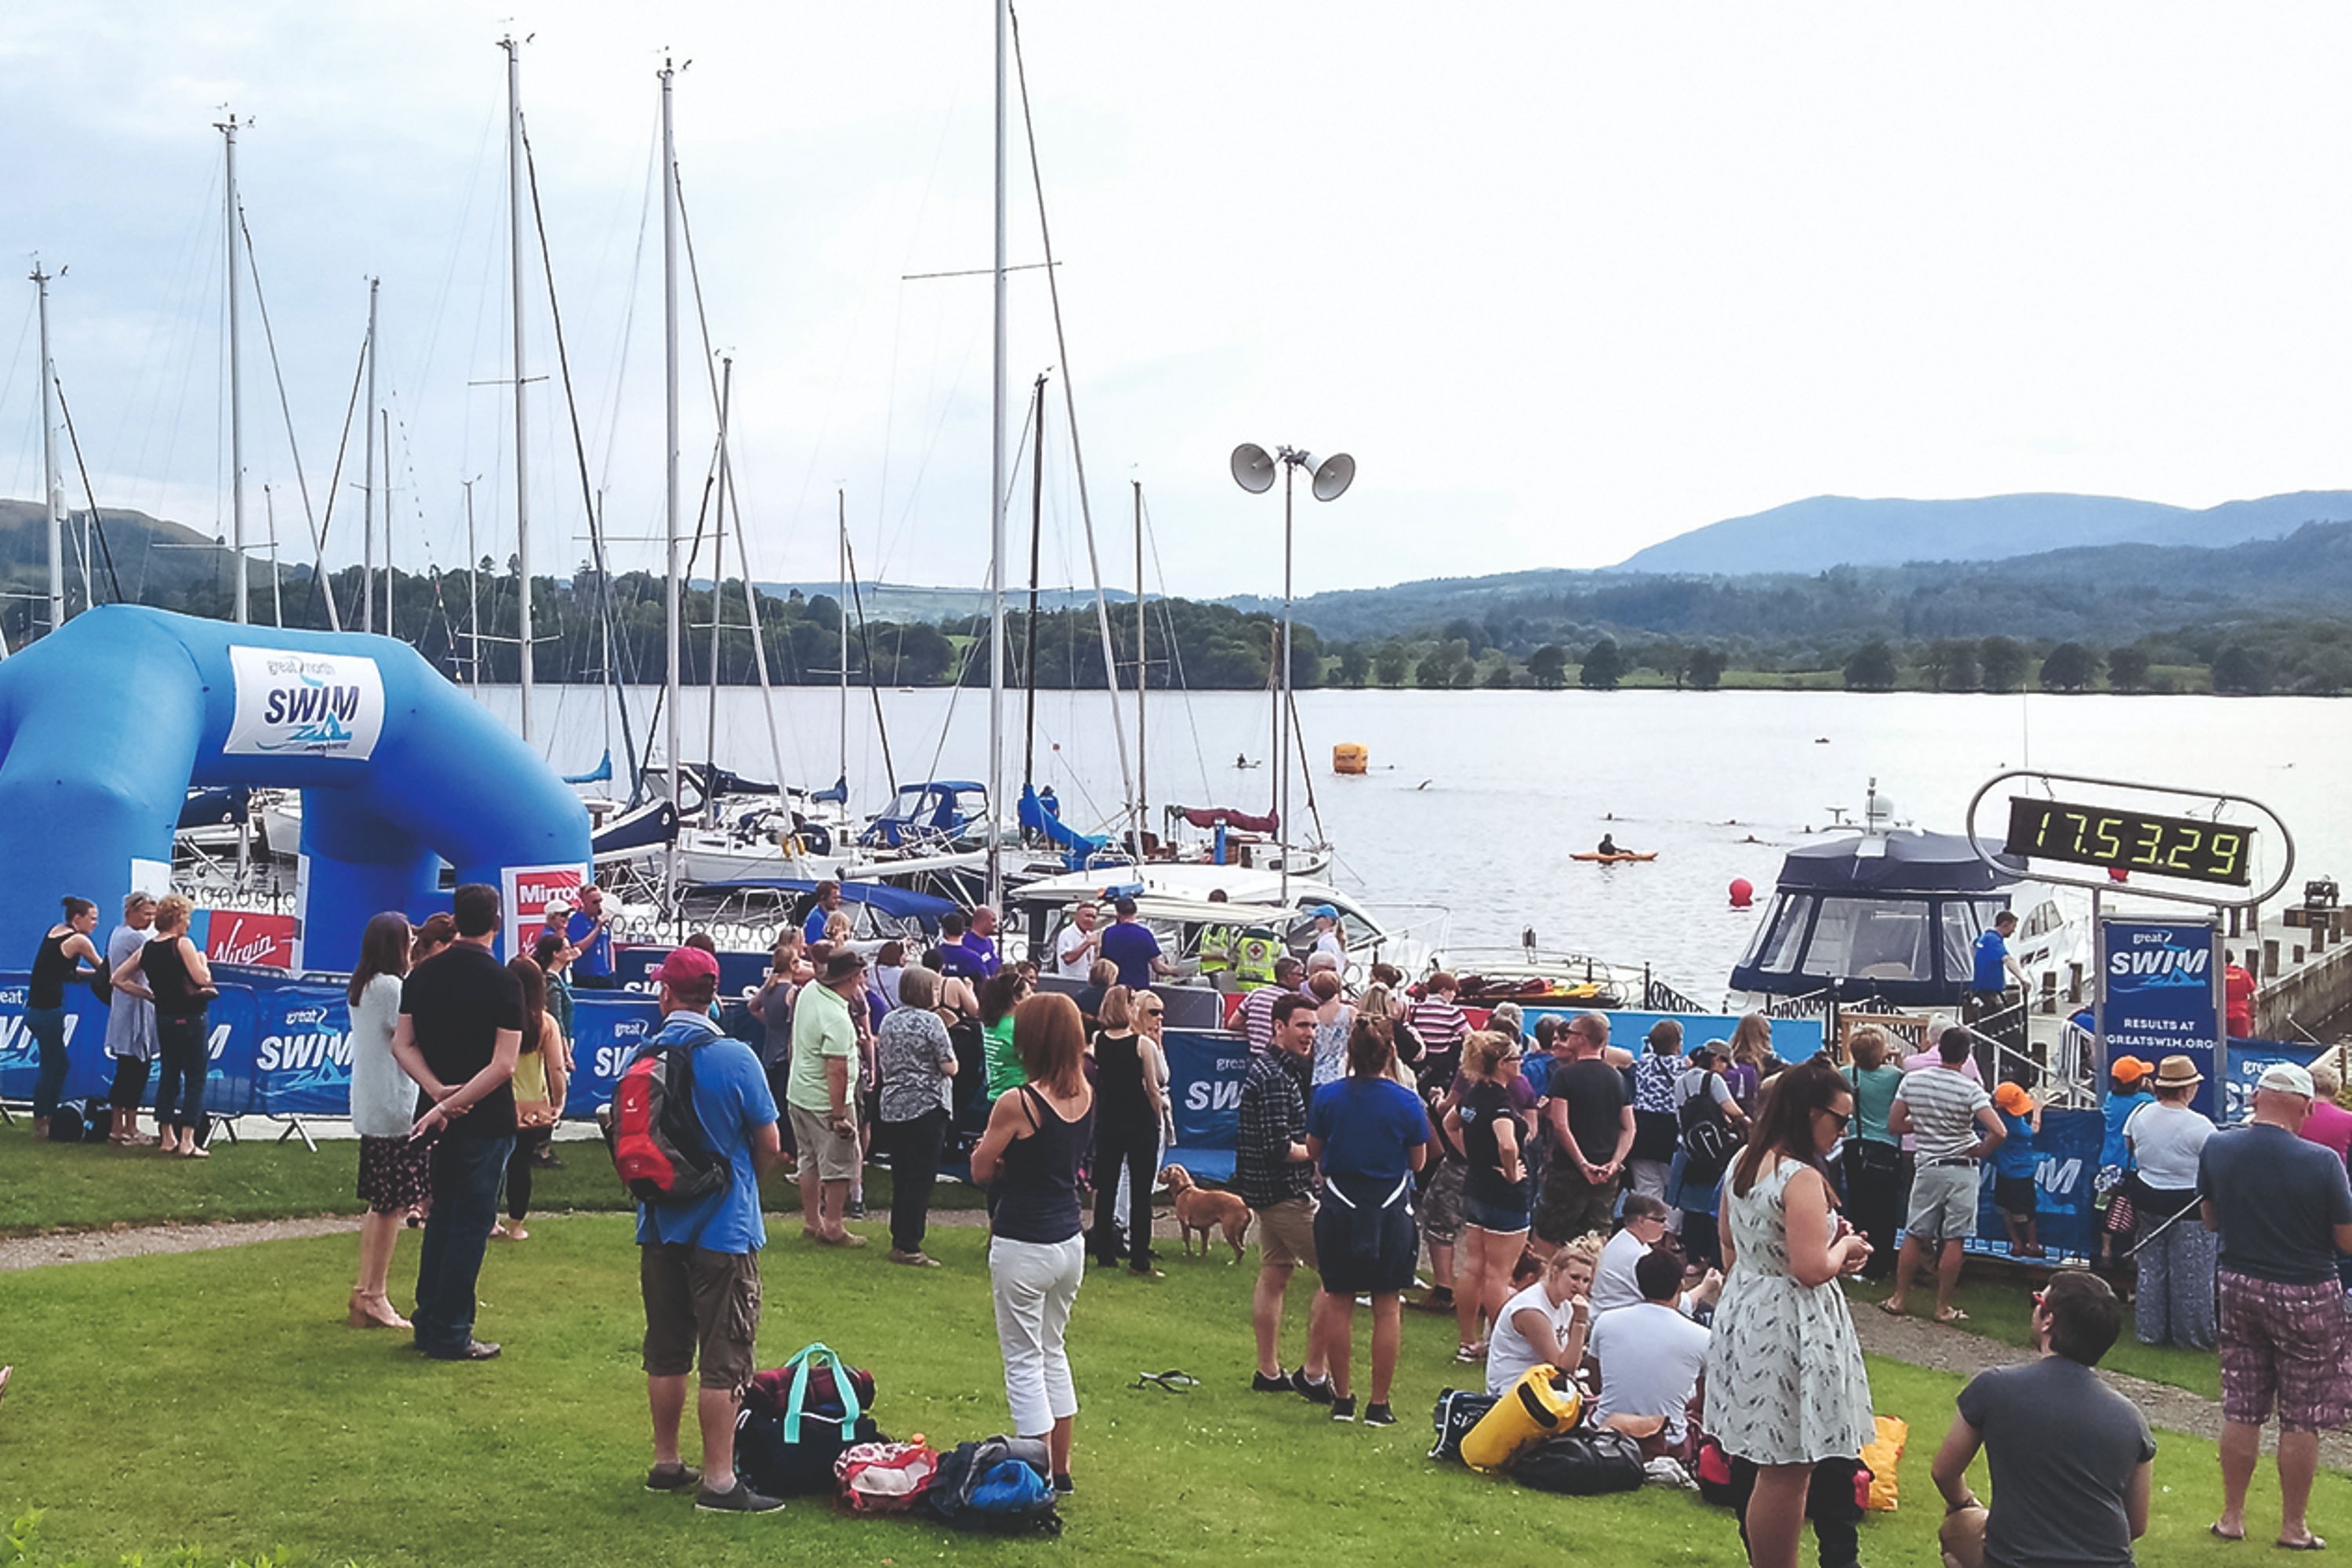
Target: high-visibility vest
[
  {"x": 1217, "y": 948},
  {"x": 1253, "y": 953}
]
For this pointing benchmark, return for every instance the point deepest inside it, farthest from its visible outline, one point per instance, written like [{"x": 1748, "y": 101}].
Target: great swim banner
[
  {"x": 2162, "y": 980},
  {"x": 1205, "y": 1086},
  {"x": 304, "y": 704},
  {"x": 283, "y": 1047}
]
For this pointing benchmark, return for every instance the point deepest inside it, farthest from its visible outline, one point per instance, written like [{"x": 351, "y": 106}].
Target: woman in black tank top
[
  {"x": 59, "y": 960},
  {"x": 1127, "y": 1098},
  {"x": 1028, "y": 1159},
  {"x": 171, "y": 972}
]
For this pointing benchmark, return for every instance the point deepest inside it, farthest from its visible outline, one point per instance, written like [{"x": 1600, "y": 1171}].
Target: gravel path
[
  {"x": 127, "y": 1241},
  {"x": 1922, "y": 1342}
]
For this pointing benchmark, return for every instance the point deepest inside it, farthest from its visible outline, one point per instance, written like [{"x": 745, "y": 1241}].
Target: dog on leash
[{"x": 1197, "y": 1209}]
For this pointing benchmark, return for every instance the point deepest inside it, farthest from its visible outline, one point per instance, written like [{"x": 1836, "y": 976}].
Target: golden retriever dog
[{"x": 1205, "y": 1211}]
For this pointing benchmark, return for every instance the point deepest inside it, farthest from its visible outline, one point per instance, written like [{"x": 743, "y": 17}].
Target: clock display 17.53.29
[{"x": 2131, "y": 840}]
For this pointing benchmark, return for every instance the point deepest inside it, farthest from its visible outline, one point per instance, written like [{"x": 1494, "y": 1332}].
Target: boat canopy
[
  {"x": 650, "y": 824},
  {"x": 898, "y": 903},
  {"x": 1226, "y": 816},
  {"x": 928, "y": 812},
  {"x": 600, "y": 773},
  {"x": 1896, "y": 917}
]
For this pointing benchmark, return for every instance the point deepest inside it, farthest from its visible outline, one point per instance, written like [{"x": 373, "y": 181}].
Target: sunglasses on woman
[{"x": 1842, "y": 1119}]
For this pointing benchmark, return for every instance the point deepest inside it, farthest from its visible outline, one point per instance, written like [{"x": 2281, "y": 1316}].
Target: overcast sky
[{"x": 1565, "y": 278}]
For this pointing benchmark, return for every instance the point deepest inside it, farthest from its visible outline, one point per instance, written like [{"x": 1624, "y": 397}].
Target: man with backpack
[{"x": 698, "y": 1246}]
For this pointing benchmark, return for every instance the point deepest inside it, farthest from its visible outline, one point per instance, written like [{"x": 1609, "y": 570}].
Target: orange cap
[
  {"x": 2130, "y": 1069},
  {"x": 2013, "y": 1099}
]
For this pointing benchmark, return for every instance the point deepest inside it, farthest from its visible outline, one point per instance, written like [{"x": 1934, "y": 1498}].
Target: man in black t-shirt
[
  {"x": 1589, "y": 1122},
  {"x": 459, "y": 1032}
]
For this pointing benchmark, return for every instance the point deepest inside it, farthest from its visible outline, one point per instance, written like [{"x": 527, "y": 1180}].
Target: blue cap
[{"x": 1324, "y": 912}]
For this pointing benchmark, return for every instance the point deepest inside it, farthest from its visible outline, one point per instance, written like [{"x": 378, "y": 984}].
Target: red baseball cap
[{"x": 687, "y": 966}]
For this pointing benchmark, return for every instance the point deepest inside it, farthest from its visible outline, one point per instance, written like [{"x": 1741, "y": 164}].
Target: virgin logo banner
[
  {"x": 261, "y": 942},
  {"x": 526, "y": 895}
]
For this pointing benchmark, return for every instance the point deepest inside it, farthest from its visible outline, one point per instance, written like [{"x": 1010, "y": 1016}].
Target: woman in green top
[
  {"x": 1874, "y": 1155},
  {"x": 999, "y": 994}
]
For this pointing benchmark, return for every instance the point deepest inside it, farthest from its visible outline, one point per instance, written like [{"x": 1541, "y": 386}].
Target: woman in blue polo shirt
[{"x": 1368, "y": 1134}]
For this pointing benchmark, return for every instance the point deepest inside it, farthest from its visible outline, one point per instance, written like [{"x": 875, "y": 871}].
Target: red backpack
[{"x": 657, "y": 1142}]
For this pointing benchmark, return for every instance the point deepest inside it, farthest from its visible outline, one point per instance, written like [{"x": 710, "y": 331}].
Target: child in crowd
[{"x": 2014, "y": 1167}]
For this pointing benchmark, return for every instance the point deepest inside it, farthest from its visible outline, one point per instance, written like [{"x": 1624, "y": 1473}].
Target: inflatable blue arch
[{"x": 106, "y": 723}]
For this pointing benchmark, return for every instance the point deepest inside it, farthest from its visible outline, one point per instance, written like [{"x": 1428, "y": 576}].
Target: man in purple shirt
[
  {"x": 1130, "y": 945},
  {"x": 979, "y": 940}
]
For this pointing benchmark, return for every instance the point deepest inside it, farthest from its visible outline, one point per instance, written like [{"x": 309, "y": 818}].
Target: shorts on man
[
  {"x": 1286, "y": 1233},
  {"x": 1570, "y": 1206},
  {"x": 2016, "y": 1195},
  {"x": 838, "y": 1158},
  {"x": 702, "y": 1309},
  {"x": 1944, "y": 1202},
  {"x": 2285, "y": 1344}
]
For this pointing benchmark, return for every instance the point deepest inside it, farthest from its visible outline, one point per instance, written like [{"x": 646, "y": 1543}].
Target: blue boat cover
[
  {"x": 1903, "y": 863},
  {"x": 1041, "y": 815},
  {"x": 600, "y": 773}
]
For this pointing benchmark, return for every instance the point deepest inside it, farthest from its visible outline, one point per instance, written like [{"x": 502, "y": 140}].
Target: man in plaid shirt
[{"x": 1273, "y": 1175}]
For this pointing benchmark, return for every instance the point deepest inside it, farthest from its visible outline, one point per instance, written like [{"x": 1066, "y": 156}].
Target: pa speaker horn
[
  {"x": 1253, "y": 469},
  {"x": 1333, "y": 476}
]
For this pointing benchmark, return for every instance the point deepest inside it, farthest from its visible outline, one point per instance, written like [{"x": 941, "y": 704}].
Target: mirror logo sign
[{"x": 304, "y": 704}]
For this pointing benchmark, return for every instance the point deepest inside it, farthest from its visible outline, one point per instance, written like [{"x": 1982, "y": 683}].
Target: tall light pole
[{"x": 1253, "y": 471}]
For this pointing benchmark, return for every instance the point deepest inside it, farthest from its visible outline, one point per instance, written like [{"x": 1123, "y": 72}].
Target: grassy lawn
[
  {"x": 86, "y": 1186},
  {"x": 1999, "y": 1309},
  {"x": 216, "y": 1401}
]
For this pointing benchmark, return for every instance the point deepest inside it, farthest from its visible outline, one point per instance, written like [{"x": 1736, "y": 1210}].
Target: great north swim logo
[{"x": 304, "y": 704}]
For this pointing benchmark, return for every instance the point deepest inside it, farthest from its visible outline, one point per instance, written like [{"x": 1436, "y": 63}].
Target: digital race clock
[{"x": 2131, "y": 840}]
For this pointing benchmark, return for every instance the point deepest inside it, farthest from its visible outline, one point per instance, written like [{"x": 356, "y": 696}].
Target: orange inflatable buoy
[{"x": 1348, "y": 757}]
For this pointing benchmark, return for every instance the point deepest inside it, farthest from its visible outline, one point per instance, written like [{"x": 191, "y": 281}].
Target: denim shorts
[{"x": 1503, "y": 1220}]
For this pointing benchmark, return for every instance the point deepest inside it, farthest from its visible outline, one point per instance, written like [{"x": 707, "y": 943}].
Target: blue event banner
[{"x": 2161, "y": 981}]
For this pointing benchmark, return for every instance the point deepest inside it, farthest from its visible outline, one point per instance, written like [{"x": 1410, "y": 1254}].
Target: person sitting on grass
[
  {"x": 2072, "y": 1462},
  {"x": 699, "y": 1263},
  {"x": 1651, "y": 1359},
  {"x": 1548, "y": 1323},
  {"x": 1368, "y": 1134},
  {"x": 2013, "y": 1166}
]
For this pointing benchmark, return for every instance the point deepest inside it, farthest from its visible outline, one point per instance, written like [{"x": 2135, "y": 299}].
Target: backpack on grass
[
  {"x": 656, "y": 1140},
  {"x": 1458, "y": 1410},
  {"x": 1582, "y": 1464}
]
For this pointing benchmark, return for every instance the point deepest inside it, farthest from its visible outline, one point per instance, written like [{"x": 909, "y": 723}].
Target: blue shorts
[{"x": 1503, "y": 1220}]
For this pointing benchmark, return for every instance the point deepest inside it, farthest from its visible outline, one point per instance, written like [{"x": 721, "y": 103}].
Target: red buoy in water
[{"x": 1743, "y": 892}]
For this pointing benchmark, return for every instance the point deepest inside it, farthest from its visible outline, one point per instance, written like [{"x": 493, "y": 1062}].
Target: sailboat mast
[
  {"x": 718, "y": 602},
  {"x": 1036, "y": 547},
  {"x": 996, "y": 500},
  {"x": 841, "y": 614},
  {"x": 473, "y": 592},
  {"x": 1142, "y": 681},
  {"x": 235, "y": 382},
  {"x": 367, "y": 479},
  {"x": 53, "y": 486},
  {"x": 521, "y": 461},
  {"x": 672, "y": 631},
  {"x": 386, "y": 417}
]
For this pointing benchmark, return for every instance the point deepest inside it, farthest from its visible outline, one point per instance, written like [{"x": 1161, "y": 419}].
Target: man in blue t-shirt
[
  {"x": 1130, "y": 945},
  {"x": 828, "y": 899},
  {"x": 590, "y": 933},
  {"x": 699, "y": 1263},
  {"x": 1994, "y": 967}
]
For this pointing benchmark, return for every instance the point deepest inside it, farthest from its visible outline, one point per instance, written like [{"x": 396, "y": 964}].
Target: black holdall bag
[
  {"x": 1583, "y": 1463},
  {"x": 1458, "y": 1410}
]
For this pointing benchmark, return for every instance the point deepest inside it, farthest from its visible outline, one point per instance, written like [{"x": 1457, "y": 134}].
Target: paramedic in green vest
[
  {"x": 1218, "y": 941},
  {"x": 1257, "y": 958}
]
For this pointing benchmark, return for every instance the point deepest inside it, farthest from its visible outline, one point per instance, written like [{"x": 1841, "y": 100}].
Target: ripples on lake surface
[{"x": 1476, "y": 799}]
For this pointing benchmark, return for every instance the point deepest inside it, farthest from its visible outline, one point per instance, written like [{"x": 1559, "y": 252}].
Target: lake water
[{"x": 1475, "y": 800}]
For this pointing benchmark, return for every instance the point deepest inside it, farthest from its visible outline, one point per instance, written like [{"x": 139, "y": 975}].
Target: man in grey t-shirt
[{"x": 2072, "y": 1460}]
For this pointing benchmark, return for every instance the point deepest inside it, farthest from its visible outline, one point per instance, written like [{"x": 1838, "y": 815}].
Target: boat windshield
[
  {"x": 1964, "y": 920},
  {"x": 1779, "y": 939},
  {"x": 1872, "y": 939}
]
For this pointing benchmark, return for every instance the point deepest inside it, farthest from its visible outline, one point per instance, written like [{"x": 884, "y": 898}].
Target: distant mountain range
[{"x": 1838, "y": 530}]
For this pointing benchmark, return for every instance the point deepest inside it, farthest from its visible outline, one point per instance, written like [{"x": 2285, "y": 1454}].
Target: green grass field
[
  {"x": 2001, "y": 1309},
  {"x": 89, "y": 1186},
  {"x": 216, "y": 1401}
]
